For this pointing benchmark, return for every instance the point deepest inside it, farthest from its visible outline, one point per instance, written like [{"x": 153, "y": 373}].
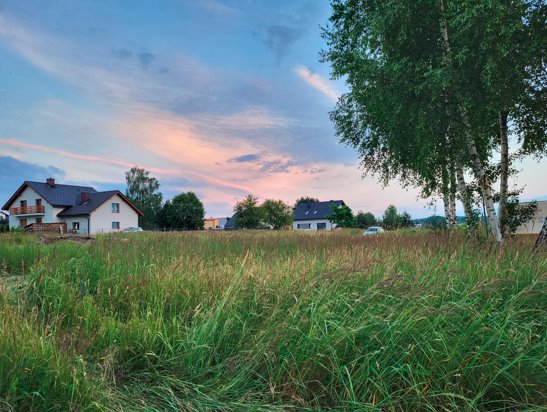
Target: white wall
[
  {"x": 313, "y": 224},
  {"x": 535, "y": 224},
  {"x": 102, "y": 217},
  {"x": 50, "y": 213},
  {"x": 82, "y": 220}
]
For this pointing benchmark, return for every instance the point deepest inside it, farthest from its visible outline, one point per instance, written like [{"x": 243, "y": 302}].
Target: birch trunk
[
  {"x": 504, "y": 171},
  {"x": 485, "y": 186},
  {"x": 478, "y": 166},
  {"x": 462, "y": 190}
]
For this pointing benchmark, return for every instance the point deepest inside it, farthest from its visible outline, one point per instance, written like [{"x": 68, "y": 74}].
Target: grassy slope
[{"x": 214, "y": 321}]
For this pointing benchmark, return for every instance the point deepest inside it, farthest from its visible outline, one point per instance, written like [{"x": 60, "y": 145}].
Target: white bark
[
  {"x": 478, "y": 166},
  {"x": 504, "y": 170}
]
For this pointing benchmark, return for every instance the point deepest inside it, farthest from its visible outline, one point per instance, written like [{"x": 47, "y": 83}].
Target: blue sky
[{"x": 222, "y": 98}]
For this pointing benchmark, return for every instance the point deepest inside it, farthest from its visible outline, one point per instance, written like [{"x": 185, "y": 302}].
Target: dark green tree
[
  {"x": 276, "y": 213},
  {"x": 365, "y": 220},
  {"x": 143, "y": 191},
  {"x": 390, "y": 218},
  {"x": 405, "y": 220},
  {"x": 249, "y": 213},
  {"x": 185, "y": 212},
  {"x": 305, "y": 199},
  {"x": 342, "y": 216}
]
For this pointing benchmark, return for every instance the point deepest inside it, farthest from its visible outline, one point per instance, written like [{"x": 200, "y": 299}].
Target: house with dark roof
[
  {"x": 314, "y": 215},
  {"x": 81, "y": 208},
  {"x": 231, "y": 222}
]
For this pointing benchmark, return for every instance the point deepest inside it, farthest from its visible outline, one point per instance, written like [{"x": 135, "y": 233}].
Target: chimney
[
  {"x": 84, "y": 197},
  {"x": 50, "y": 181}
]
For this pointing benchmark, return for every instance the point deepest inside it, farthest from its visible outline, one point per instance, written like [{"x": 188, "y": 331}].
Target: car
[
  {"x": 131, "y": 229},
  {"x": 373, "y": 230}
]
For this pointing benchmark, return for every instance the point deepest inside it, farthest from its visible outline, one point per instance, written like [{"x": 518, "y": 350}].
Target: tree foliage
[
  {"x": 185, "y": 211},
  {"x": 342, "y": 216},
  {"x": 143, "y": 191},
  {"x": 305, "y": 199},
  {"x": 435, "y": 89},
  {"x": 365, "y": 220},
  {"x": 249, "y": 213},
  {"x": 276, "y": 213}
]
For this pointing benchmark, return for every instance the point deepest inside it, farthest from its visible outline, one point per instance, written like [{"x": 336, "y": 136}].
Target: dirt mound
[{"x": 49, "y": 239}]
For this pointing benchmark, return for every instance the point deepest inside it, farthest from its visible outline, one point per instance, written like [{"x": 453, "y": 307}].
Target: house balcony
[{"x": 27, "y": 210}]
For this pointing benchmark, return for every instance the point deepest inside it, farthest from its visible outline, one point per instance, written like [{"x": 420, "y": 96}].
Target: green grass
[{"x": 272, "y": 321}]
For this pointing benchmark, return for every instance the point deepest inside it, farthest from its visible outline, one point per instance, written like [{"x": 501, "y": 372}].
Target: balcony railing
[{"x": 27, "y": 210}]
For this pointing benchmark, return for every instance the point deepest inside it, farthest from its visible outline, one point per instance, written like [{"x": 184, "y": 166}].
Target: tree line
[
  {"x": 186, "y": 212},
  {"x": 436, "y": 89}
]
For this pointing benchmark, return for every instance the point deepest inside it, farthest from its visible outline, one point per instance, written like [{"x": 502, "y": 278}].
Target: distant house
[
  {"x": 214, "y": 223},
  {"x": 313, "y": 215},
  {"x": 81, "y": 208},
  {"x": 4, "y": 215},
  {"x": 535, "y": 224}
]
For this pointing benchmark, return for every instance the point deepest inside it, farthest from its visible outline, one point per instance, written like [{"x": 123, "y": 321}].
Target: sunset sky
[{"x": 222, "y": 98}]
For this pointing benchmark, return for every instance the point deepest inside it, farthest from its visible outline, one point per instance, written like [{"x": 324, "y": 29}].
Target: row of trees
[
  {"x": 435, "y": 90},
  {"x": 186, "y": 211}
]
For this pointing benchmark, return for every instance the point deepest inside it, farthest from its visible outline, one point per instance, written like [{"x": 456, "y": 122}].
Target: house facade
[
  {"x": 214, "y": 223},
  {"x": 534, "y": 225},
  {"x": 314, "y": 215},
  {"x": 81, "y": 208}
]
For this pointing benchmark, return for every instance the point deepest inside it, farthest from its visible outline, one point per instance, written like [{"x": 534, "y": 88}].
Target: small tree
[
  {"x": 342, "y": 216},
  {"x": 249, "y": 213},
  {"x": 405, "y": 220},
  {"x": 364, "y": 220},
  {"x": 143, "y": 191},
  {"x": 305, "y": 199},
  {"x": 186, "y": 212},
  {"x": 276, "y": 213},
  {"x": 391, "y": 219}
]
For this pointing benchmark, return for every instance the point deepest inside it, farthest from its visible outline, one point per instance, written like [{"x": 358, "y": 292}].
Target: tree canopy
[
  {"x": 276, "y": 213},
  {"x": 185, "y": 211},
  {"x": 143, "y": 191},
  {"x": 249, "y": 213},
  {"x": 435, "y": 89},
  {"x": 342, "y": 216}
]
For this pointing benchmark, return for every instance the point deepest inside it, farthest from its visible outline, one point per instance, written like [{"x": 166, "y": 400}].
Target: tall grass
[{"x": 272, "y": 321}]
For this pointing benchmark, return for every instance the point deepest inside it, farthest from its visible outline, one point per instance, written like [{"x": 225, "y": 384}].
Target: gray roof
[
  {"x": 59, "y": 195},
  {"x": 95, "y": 200},
  {"x": 315, "y": 210},
  {"x": 231, "y": 222}
]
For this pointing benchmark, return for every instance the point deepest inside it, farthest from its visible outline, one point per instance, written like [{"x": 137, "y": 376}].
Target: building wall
[
  {"x": 102, "y": 217},
  {"x": 50, "y": 213},
  {"x": 535, "y": 224},
  {"x": 82, "y": 220},
  {"x": 313, "y": 224},
  {"x": 209, "y": 223}
]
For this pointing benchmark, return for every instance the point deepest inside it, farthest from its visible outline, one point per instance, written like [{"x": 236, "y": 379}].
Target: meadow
[{"x": 272, "y": 321}]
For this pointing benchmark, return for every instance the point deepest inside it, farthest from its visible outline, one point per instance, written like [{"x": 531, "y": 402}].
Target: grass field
[{"x": 272, "y": 321}]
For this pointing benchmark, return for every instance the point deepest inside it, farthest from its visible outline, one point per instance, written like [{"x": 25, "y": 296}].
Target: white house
[
  {"x": 313, "y": 215},
  {"x": 535, "y": 224},
  {"x": 81, "y": 208}
]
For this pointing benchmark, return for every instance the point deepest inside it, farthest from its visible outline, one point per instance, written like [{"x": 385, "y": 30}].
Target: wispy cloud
[{"x": 318, "y": 82}]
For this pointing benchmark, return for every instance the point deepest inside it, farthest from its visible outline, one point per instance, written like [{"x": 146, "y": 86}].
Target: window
[
  {"x": 23, "y": 222},
  {"x": 75, "y": 225},
  {"x": 23, "y": 203},
  {"x": 115, "y": 208},
  {"x": 116, "y": 225},
  {"x": 303, "y": 225},
  {"x": 321, "y": 226},
  {"x": 38, "y": 202},
  {"x": 39, "y": 220}
]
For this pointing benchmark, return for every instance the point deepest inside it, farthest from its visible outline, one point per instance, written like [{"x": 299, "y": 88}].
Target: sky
[{"x": 219, "y": 97}]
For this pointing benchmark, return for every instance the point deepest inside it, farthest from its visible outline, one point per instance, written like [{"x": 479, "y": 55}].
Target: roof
[
  {"x": 96, "y": 199},
  {"x": 315, "y": 210},
  {"x": 56, "y": 195},
  {"x": 231, "y": 222}
]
